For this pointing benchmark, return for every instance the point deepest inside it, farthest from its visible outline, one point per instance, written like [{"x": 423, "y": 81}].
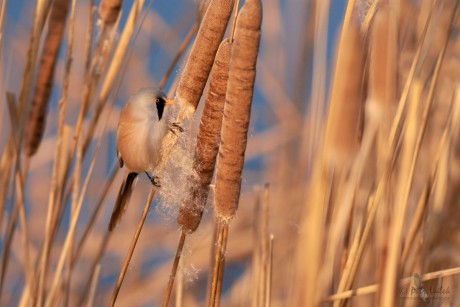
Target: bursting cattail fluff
[
  {"x": 237, "y": 109},
  {"x": 207, "y": 144},
  {"x": 199, "y": 63},
  {"x": 45, "y": 75}
]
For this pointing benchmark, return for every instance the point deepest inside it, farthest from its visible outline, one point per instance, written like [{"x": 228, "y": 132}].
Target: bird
[{"x": 144, "y": 122}]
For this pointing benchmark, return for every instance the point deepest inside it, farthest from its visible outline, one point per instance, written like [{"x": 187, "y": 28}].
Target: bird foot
[
  {"x": 155, "y": 180},
  {"x": 176, "y": 127}
]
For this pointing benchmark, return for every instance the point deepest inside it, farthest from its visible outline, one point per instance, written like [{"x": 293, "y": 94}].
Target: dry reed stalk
[
  {"x": 114, "y": 68},
  {"x": 268, "y": 282},
  {"x": 198, "y": 66},
  {"x": 236, "y": 7},
  {"x": 45, "y": 77},
  {"x": 416, "y": 222},
  {"x": 376, "y": 287},
  {"x": 90, "y": 84},
  {"x": 2, "y": 15},
  {"x": 318, "y": 95},
  {"x": 178, "y": 55},
  {"x": 61, "y": 167},
  {"x": 347, "y": 194},
  {"x": 235, "y": 125},
  {"x": 89, "y": 38},
  {"x": 92, "y": 220},
  {"x": 345, "y": 106},
  {"x": 120, "y": 51},
  {"x": 207, "y": 144},
  {"x": 19, "y": 184},
  {"x": 95, "y": 264},
  {"x": 352, "y": 262},
  {"x": 370, "y": 14},
  {"x": 264, "y": 247},
  {"x": 5, "y": 170},
  {"x": 255, "y": 265},
  {"x": 393, "y": 265},
  {"x": 180, "y": 287},
  {"x": 109, "y": 11},
  {"x": 51, "y": 297},
  {"x": 172, "y": 276},
  {"x": 423, "y": 45},
  {"x": 59, "y": 152},
  {"x": 93, "y": 286},
  {"x": 132, "y": 246}
]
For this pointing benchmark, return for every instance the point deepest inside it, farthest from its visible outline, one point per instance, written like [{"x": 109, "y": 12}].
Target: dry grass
[{"x": 359, "y": 153}]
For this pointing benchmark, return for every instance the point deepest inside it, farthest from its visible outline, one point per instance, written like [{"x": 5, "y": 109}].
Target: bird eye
[{"x": 157, "y": 100}]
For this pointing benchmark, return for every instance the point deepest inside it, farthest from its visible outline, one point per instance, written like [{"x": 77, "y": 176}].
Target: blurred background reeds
[{"x": 337, "y": 179}]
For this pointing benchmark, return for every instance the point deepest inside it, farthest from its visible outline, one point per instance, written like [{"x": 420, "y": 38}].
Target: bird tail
[{"x": 124, "y": 194}]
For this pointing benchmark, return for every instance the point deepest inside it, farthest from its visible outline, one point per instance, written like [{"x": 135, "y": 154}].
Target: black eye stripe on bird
[
  {"x": 140, "y": 132},
  {"x": 160, "y": 103}
]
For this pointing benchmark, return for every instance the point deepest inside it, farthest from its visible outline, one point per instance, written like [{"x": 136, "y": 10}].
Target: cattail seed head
[
  {"x": 109, "y": 11},
  {"x": 45, "y": 75},
  {"x": 199, "y": 63},
  {"x": 207, "y": 144},
  {"x": 345, "y": 106},
  {"x": 381, "y": 102},
  {"x": 237, "y": 109}
]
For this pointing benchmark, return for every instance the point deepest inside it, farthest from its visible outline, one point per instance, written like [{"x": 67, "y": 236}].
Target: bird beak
[{"x": 169, "y": 101}]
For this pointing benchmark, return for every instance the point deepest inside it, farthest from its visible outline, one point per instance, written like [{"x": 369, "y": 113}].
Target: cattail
[
  {"x": 45, "y": 75},
  {"x": 207, "y": 141},
  {"x": 343, "y": 123},
  {"x": 199, "y": 63},
  {"x": 381, "y": 102},
  {"x": 237, "y": 109},
  {"x": 109, "y": 11}
]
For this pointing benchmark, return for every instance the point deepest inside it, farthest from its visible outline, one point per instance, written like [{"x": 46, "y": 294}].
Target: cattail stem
[
  {"x": 219, "y": 258},
  {"x": 220, "y": 274},
  {"x": 132, "y": 246},
  {"x": 172, "y": 275}
]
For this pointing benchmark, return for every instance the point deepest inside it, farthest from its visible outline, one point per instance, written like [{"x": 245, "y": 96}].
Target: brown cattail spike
[
  {"x": 382, "y": 68},
  {"x": 199, "y": 63},
  {"x": 237, "y": 109},
  {"x": 109, "y": 11},
  {"x": 208, "y": 140},
  {"x": 45, "y": 75},
  {"x": 345, "y": 107}
]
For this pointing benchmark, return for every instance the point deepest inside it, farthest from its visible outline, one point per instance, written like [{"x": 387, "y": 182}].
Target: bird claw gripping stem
[
  {"x": 155, "y": 180},
  {"x": 176, "y": 127}
]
